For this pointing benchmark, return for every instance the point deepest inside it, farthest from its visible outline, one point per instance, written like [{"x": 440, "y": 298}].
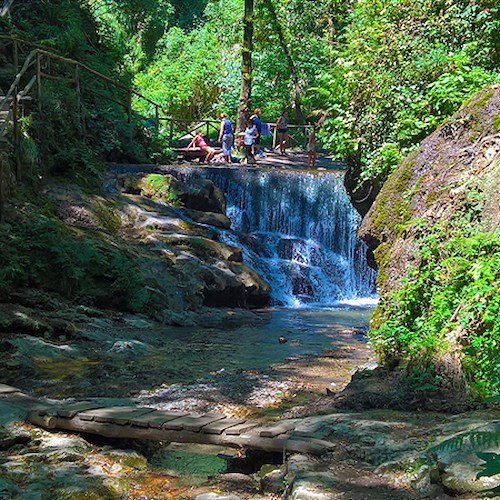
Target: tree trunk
[
  {"x": 289, "y": 60},
  {"x": 246, "y": 68}
]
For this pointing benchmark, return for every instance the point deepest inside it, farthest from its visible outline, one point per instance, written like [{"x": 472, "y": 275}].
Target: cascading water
[{"x": 297, "y": 230}]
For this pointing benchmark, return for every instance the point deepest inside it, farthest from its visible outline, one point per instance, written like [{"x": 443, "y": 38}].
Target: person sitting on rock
[{"x": 199, "y": 141}]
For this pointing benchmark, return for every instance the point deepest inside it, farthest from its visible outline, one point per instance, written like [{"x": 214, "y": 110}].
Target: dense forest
[
  {"x": 385, "y": 74},
  {"x": 143, "y": 283}
]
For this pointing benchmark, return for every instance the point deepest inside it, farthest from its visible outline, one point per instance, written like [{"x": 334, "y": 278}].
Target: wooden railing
[
  {"x": 176, "y": 129},
  {"x": 37, "y": 68}
]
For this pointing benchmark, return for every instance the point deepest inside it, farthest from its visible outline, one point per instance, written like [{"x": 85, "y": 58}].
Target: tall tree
[
  {"x": 289, "y": 60},
  {"x": 246, "y": 67}
]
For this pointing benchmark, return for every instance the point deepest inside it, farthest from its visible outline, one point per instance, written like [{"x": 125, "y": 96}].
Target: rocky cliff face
[
  {"x": 434, "y": 231},
  {"x": 454, "y": 167}
]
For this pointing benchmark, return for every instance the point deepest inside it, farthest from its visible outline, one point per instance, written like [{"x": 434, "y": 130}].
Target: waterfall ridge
[{"x": 297, "y": 230}]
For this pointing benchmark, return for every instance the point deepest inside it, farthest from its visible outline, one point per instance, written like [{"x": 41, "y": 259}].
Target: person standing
[
  {"x": 311, "y": 149},
  {"x": 258, "y": 125},
  {"x": 226, "y": 136},
  {"x": 282, "y": 129},
  {"x": 249, "y": 140}
]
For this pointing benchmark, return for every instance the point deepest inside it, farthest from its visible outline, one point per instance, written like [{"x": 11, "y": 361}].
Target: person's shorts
[
  {"x": 227, "y": 144},
  {"x": 282, "y": 131},
  {"x": 257, "y": 140}
]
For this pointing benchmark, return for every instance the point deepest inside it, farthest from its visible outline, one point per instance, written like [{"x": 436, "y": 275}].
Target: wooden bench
[{"x": 193, "y": 153}]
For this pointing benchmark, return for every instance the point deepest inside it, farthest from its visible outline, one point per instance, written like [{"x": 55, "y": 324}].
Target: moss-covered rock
[{"x": 434, "y": 230}]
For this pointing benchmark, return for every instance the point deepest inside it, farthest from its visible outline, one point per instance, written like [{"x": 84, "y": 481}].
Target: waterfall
[{"x": 297, "y": 230}]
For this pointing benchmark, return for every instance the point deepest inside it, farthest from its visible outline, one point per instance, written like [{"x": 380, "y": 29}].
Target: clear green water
[
  {"x": 167, "y": 355},
  {"x": 194, "y": 352}
]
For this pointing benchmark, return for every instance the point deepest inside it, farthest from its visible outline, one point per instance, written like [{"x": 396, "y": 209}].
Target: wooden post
[
  {"x": 16, "y": 57},
  {"x": 2, "y": 199}
]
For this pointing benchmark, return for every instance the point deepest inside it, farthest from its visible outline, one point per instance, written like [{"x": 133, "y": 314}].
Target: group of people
[{"x": 249, "y": 140}]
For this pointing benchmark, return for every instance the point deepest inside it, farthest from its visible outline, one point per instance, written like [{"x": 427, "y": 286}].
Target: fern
[{"x": 476, "y": 439}]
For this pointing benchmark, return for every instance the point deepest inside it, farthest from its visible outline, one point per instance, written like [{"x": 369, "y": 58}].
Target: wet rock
[
  {"x": 128, "y": 347},
  {"x": 201, "y": 195},
  {"x": 203, "y": 248},
  {"x": 19, "y": 319},
  {"x": 126, "y": 458},
  {"x": 11, "y": 435},
  {"x": 273, "y": 482},
  {"x": 138, "y": 322},
  {"x": 216, "y": 496},
  {"x": 209, "y": 218},
  {"x": 240, "y": 483},
  {"x": 9, "y": 489}
]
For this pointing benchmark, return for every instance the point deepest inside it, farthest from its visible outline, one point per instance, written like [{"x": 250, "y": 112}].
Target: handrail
[
  {"x": 35, "y": 56},
  {"x": 40, "y": 49},
  {"x": 17, "y": 79},
  {"x": 22, "y": 41}
]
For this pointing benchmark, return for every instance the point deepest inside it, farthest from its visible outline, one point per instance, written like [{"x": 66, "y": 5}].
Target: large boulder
[{"x": 432, "y": 184}]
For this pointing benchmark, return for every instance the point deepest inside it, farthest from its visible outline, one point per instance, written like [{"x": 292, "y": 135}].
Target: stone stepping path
[{"x": 134, "y": 422}]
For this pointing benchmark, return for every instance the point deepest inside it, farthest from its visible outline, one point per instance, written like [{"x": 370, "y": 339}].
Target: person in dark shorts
[
  {"x": 282, "y": 129},
  {"x": 226, "y": 136},
  {"x": 258, "y": 125},
  {"x": 249, "y": 140}
]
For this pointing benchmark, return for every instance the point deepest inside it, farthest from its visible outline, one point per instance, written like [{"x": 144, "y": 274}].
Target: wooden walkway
[{"x": 134, "y": 422}]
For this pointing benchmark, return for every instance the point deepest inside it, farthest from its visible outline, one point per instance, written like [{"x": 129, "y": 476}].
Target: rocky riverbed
[{"x": 380, "y": 453}]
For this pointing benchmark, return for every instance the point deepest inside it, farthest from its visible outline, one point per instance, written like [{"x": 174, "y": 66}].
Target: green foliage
[
  {"x": 38, "y": 251},
  {"x": 159, "y": 187},
  {"x": 402, "y": 68},
  {"x": 472, "y": 440},
  {"x": 449, "y": 301},
  {"x": 477, "y": 440},
  {"x": 491, "y": 465}
]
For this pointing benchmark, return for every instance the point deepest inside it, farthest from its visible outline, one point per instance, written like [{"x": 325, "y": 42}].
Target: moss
[
  {"x": 159, "y": 187},
  {"x": 392, "y": 201},
  {"x": 382, "y": 256},
  {"x": 496, "y": 122},
  {"x": 107, "y": 215},
  {"x": 64, "y": 369},
  {"x": 127, "y": 459},
  {"x": 481, "y": 101},
  {"x": 92, "y": 491}
]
